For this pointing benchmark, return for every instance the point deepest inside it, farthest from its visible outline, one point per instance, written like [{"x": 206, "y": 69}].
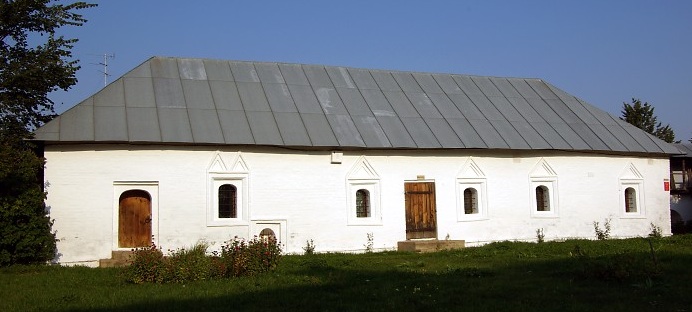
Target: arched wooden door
[{"x": 134, "y": 219}]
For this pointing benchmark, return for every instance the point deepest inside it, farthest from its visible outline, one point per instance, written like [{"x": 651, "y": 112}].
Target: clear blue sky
[{"x": 604, "y": 52}]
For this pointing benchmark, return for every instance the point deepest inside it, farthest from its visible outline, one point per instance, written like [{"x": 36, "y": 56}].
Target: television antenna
[{"x": 105, "y": 73}]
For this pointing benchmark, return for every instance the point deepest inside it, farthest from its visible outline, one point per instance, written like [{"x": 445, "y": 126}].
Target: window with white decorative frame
[
  {"x": 631, "y": 198},
  {"x": 363, "y": 194},
  {"x": 544, "y": 197},
  {"x": 227, "y": 195},
  {"x": 471, "y": 199}
]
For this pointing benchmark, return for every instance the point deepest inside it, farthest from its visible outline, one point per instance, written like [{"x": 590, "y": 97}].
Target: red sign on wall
[{"x": 666, "y": 185}]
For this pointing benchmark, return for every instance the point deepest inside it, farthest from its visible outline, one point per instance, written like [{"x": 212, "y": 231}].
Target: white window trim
[
  {"x": 240, "y": 181},
  {"x": 551, "y": 184},
  {"x": 373, "y": 187},
  {"x": 482, "y": 199},
  {"x": 638, "y": 186}
]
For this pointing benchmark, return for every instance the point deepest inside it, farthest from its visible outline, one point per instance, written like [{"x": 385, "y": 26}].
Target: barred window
[
  {"x": 362, "y": 203},
  {"x": 228, "y": 201},
  {"x": 630, "y": 200},
  {"x": 542, "y": 198},
  {"x": 470, "y": 201}
]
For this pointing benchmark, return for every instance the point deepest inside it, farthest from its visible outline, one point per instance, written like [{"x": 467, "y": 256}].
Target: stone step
[
  {"x": 119, "y": 258},
  {"x": 430, "y": 245}
]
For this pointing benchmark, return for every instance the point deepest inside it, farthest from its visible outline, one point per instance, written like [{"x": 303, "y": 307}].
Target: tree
[
  {"x": 33, "y": 63},
  {"x": 642, "y": 116}
]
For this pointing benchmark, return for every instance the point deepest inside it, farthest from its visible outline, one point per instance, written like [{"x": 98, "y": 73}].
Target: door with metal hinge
[
  {"x": 421, "y": 214},
  {"x": 134, "y": 219}
]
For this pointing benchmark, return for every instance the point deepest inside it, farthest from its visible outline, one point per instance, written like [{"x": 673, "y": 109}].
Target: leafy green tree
[
  {"x": 642, "y": 116},
  {"x": 34, "y": 61}
]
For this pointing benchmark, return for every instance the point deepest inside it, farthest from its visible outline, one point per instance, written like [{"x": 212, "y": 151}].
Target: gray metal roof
[
  {"x": 685, "y": 149},
  {"x": 200, "y": 101}
]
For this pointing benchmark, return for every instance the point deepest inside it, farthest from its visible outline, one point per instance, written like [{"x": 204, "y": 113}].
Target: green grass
[{"x": 576, "y": 275}]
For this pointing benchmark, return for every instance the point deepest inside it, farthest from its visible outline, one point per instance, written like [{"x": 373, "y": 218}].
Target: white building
[{"x": 182, "y": 150}]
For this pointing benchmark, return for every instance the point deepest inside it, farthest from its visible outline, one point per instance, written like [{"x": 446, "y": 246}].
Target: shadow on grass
[{"x": 405, "y": 282}]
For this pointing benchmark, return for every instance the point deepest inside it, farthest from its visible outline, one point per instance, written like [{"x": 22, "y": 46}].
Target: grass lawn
[{"x": 576, "y": 275}]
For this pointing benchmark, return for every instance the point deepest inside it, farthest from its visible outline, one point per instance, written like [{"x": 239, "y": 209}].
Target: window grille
[
  {"x": 362, "y": 203},
  {"x": 228, "y": 201}
]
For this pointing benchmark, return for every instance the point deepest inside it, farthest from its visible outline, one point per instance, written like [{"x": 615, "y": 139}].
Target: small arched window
[
  {"x": 228, "y": 201},
  {"x": 542, "y": 198},
  {"x": 470, "y": 201},
  {"x": 630, "y": 200},
  {"x": 362, "y": 203}
]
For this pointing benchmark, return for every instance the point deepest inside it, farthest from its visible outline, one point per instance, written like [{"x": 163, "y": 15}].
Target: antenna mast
[{"x": 106, "y": 56}]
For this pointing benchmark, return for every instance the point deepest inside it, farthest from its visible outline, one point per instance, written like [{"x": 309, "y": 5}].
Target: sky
[{"x": 604, "y": 52}]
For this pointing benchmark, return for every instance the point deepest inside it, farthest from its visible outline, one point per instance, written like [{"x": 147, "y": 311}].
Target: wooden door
[
  {"x": 134, "y": 223},
  {"x": 421, "y": 215}
]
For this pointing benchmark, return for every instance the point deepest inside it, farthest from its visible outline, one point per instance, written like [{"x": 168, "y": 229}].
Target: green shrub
[
  {"x": 183, "y": 265},
  {"x": 147, "y": 265},
  {"x": 248, "y": 258}
]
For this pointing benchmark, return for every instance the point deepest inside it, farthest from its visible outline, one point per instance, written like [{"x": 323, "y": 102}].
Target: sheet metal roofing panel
[
  {"x": 406, "y": 82},
  {"x": 340, "y": 77},
  {"x": 630, "y": 143},
  {"x": 525, "y": 109},
  {"x": 466, "y": 107},
  {"x": 550, "y": 135},
  {"x": 317, "y": 76},
  {"x": 601, "y": 115},
  {"x": 506, "y": 109},
  {"x": 544, "y": 110},
  {"x": 164, "y": 68},
  {"x": 466, "y": 133},
  {"x": 175, "y": 125},
  {"x": 264, "y": 128},
  {"x": 487, "y": 86},
  {"x": 608, "y": 138},
  {"x": 245, "y": 72},
  {"x": 205, "y": 126},
  {"x": 111, "y": 95},
  {"x": 684, "y": 148},
  {"x": 509, "y": 134},
  {"x": 293, "y": 74},
  {"x": 378, "y": 103},
  {"x": 363, "y": 79},
  {"x": 571, "y": 137},
  {"x": 395, "y": 131},
  {"x": 77, "y": 124},
  {"x": 269, "y": 73},
  {"x": 141, "y": 71},
  {"x": 563, "y": 111},
  {"x": 420, "y": 132},
  {"x": 192, "y": 69},
  {"x": 489, "y": 135},
  {"x": 139, "y": 92},
  {"x": 252, "y": 96},
  {"x": 593, "y": 140},
  {"x": 583, "y": 114},
  {"x": 505, "y": 87},
  {"x": 345, "y": 131},
  {"x": 279, "y": 98},
  {"x": 143, "y": 124},
  {"x": 542, "y": 89},
  {"x": 486, "y": 107},
  {"x": 385, "y": 81},
  {"x": 530, "y": 135},
  {"x": 641, "y": 137},
  {"x": 169, "y": 93},
  {"x": 110, "y": 124},
  {"x": 305, "y": 99},
  {"x": 371, "y": 132},
  {"x": 447, "y": 83},
  {"x": 427, "y": 82},
  {"x": 319, "y": 130},
  {"x": 225, "y": 95},
  {"x": 292, "y": 129},
  {"x": 218, "y": 70},
  {"x": 198, "y": 94},
  {"x": 523, "y": 88},
  {"x": 467, "y": 85},
  {"x": 235, "y": 127},
  {"x": 444, "y": 134},
  {"x": 400, "y": 103},
  {"x": 354, "y": 102},
  {"x": 444, "y": 105},
  {"x": 423, "y": 105},
  {"x": 330, "y": 101}
]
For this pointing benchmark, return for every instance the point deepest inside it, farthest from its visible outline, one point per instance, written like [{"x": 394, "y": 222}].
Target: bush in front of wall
[{"x": 237, "y": 258}]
